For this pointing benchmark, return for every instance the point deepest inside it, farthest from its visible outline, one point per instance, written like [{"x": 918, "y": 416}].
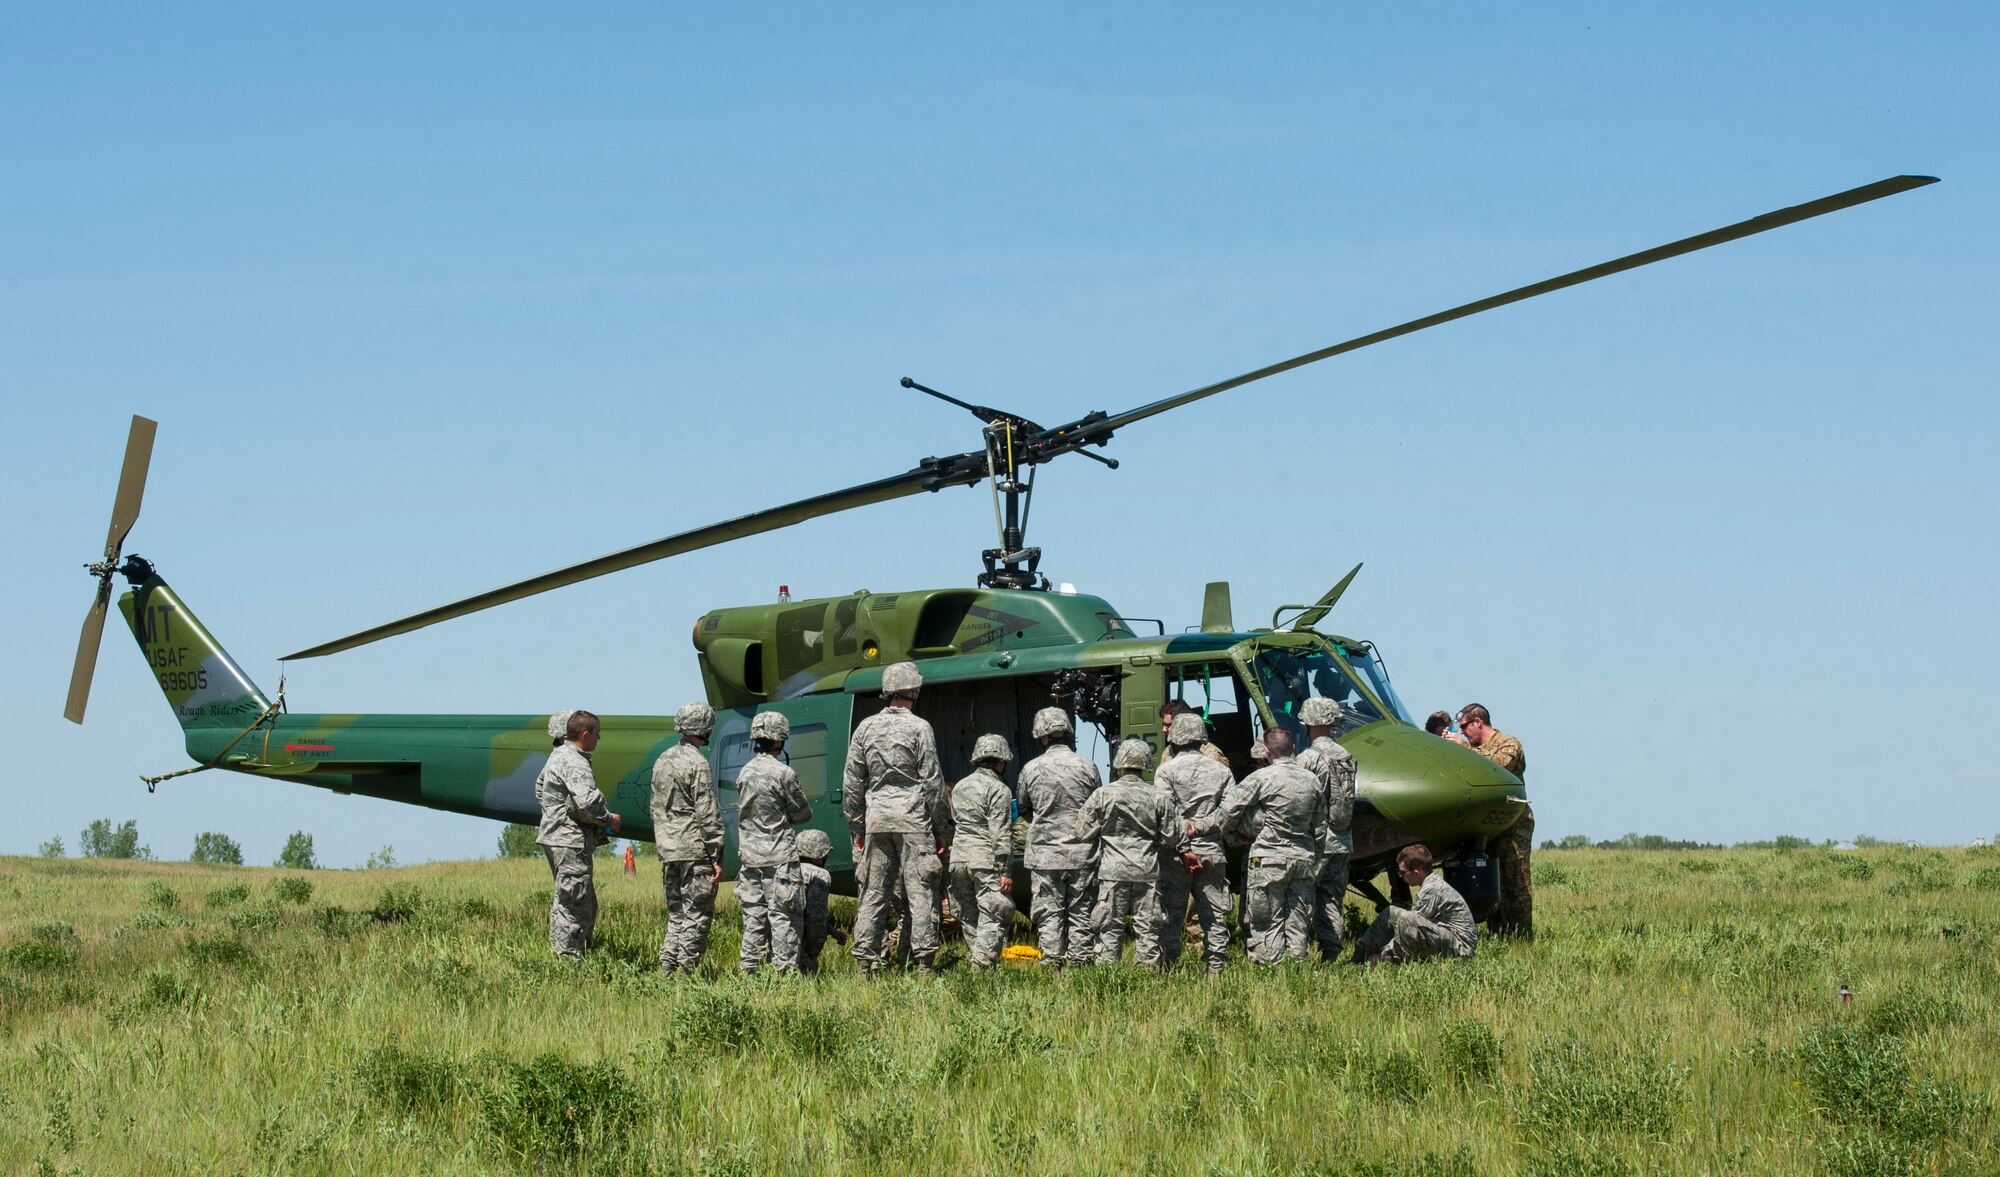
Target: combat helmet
[
  {"x": 695, "y": 719},
  {"x": 1319, "y": 711},
  {"x": 814, "y": 844},
  {"x": 899, "y": 678},
  {"x": 1188, "y": 729},
  {"x": 1052, "y": 721},
  {"x": 1133, "y": 756},
  {"x": 991, "y": 747},
  {"x": 771, "y": 725}
]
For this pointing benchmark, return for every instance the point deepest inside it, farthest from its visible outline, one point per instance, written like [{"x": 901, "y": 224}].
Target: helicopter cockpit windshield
[
  {"x": 1367, "y": 662},
  {"x": 1289, "y": 676}
]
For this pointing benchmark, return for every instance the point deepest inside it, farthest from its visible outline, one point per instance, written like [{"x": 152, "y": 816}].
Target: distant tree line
[{"x": 1661, "y": 842}]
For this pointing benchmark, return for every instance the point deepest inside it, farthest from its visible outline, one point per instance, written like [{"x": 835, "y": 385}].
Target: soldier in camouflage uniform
[
  {"x": 1174, "y": 709},
  {"x": 1282, "y": 807},
  {"x": 1516, "y": 913},
  {"x": 1197, "y": 784},
  {"x": 574, "y": 817},
  {"x": 1333, "y": 766},
  {"x": 687, "y": 829},
  {"x": 814, "y": 849},
  {"x": 1134, "y": 825},
  {"x": 1054, "y": 787},
  {"x": 1438, "y": 923},
  {"x": 982, "y": 849},
  {"x": 769, "y": 886},
  {"x": 893, "y": 798}
]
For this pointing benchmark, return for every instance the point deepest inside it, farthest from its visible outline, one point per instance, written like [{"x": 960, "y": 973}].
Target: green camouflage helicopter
[{"x": 991, "y": 656}]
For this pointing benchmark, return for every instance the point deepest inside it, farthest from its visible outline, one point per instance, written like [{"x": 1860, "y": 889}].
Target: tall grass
[{"x": 1679, "y": 1014}]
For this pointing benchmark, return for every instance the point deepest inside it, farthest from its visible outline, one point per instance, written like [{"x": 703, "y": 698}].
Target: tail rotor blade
[
  {"x": 86, "y": 657},
  {"x": 131, "y": 487}
]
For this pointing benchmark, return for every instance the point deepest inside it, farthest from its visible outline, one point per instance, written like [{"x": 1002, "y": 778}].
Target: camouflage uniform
[
  {"x": 687, "y": 829},
  {"x": 1133, "y": 824},
  {"x": 769, "y": 886},
  {"x": 1054, "y": 787},
  {"x": 814, "y": 923},
  {"x": 573, "y": 817},
  {"x": 892, "y": 794},
  {"x": 982, "y": 846},
  {"x": 896, "y": 941},
  {"x": 1437, "y": 924},
  {"x": 1282, "y": 807},
  {"x": 1199, "y": 784},
  {"x": 1516, "y": 913},
  {"x": 1334, "y": 768}
]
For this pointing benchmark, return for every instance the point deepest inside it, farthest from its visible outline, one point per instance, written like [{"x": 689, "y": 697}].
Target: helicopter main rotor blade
[
  {"x": 1093, "y": 431},
  {"x": 131, "y": 484},
  {"x": 932, "y": 474},
  {"x": 86, "y": 658}
]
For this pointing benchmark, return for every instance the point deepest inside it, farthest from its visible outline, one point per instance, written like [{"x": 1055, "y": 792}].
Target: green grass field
[{"x": 1679, "y": 1014}]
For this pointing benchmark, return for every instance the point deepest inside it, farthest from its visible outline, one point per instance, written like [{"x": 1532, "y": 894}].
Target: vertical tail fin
[{"x": 202, "y": 682}]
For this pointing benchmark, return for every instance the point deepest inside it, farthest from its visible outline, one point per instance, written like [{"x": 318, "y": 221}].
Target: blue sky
[{"x": 425, "y": 302}]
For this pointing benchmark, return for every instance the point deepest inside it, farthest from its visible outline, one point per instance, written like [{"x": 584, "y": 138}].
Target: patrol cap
[
  {"x": 1319, "y": 711},
  {"x": 1052, "y": 721},
  {"x": 901, "y": 677},
  {"x": 991, "y": 747},
  {"x": 695, "y": 719},
  {"x": 559, "y": 724},
  {"x": 1187, "y": 730},
  {"x": 1134, "y": 756},
  {"x": 1258, "y": 751},
  {"x": 771, "y": 725},
  {"x": 814, "y": 844}
]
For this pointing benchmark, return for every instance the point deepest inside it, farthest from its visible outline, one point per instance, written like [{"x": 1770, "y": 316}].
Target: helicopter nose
[{"x": 1404, "y": 753}]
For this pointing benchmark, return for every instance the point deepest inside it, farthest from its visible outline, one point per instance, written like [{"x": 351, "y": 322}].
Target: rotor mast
[{"x": 1013, "y": 444}]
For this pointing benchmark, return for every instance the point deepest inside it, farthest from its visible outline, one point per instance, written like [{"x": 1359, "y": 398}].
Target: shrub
[
  {"x": 39, "y": 957},
  {"x": 160, "y": 895},
  {"x": 337, "y": 921},
  {"x": 1471, "y": 1050},
  {"x": 551, "y": 1107},
  {"x": 1912, "y": 1011},
  {"x": 811, "y": 1033},
  {"x": 292, "y": 890},
  {"x": 382, "y": 859},
  {"x": 150, "y": 921},
  {"x": 407, "y": 1082},
  {"x": 710, "y": 1020},
  {"x": 1985, "y": 879},
  {"x": 53, "y": 932},
  {"x": 167, "y": 991},
  {"x": 518, "y": 841},
  {"x": 396, "y": 904},
  {"x": 227, "y": 896},
  {"x": 1572, "y": 1088},
  {"x": 1431, "y": 1164},
  {"x": 1858, "y": 869},
  {"x": 216, "y": 848},
  {"x": 1555, "y": 874},
  {"x": 883, "y": 1128},
  {"x": 254, "y": 919},
  {"x": 220, "y": 950},
  {"x": 298, "y": 852},
  {"x": 1398, "y": 1075}
]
